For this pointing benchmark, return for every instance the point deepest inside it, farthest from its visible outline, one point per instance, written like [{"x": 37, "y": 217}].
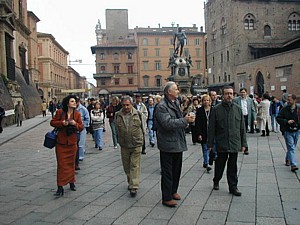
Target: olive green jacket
[
  {"x": 227, "y": 128},
  {"x": 133, "y": 135}
]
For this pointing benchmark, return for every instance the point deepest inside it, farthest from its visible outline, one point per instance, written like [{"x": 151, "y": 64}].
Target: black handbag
[{"x": 50, "y": 138}]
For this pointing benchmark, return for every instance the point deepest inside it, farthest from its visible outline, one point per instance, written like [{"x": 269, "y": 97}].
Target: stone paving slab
[{"x": 271, "y": 192}]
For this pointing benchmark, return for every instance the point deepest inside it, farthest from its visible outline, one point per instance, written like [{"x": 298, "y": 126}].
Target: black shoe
[
  {"x": 208, "y": 168},
  {"x": 133, "y": 192},
  {"x": 72, "y": 187},
  {"x": 144, "y": 152},
  {"x": 216, "y": 186},
  {"x": 204, "y": 165},
  {"x": 77, "y": 168},
  {"x": 60, "y": 191},
  {"x": 246, "y": 152},
  {"x": 152, "y": 144},
  {"x": 96, "y": 146},
  {"x": 235, "y": 192},
  {"x": 100, "y": 149}
]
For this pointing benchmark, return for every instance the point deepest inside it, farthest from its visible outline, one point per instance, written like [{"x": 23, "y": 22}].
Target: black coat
[{"x": 201, "y": 125}]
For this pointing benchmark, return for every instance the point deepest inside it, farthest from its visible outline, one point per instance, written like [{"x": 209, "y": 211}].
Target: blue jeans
[
  {"x": 114, "y": 133},
  {"x": 81, "y": 144},
  {"x": 98, "y": 135},
  {"x": 151, "y": 132},
  {"x": 275, "y": 125},
  {"x": 291, "y": 139},
  {"x": 205, "y": 152}
]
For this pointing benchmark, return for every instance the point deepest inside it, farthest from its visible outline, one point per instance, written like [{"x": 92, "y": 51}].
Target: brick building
[
  {"x": 136, "y": 60},
  {"x": 253, "y": 44}
]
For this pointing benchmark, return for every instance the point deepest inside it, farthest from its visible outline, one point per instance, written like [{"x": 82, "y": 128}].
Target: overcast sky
[{"x": 72, "y": 22}]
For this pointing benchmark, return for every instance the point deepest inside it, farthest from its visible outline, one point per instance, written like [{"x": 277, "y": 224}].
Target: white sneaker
[{"x": 115, "y": 147}]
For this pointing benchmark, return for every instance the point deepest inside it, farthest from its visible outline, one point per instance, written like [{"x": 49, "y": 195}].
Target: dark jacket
[
  {"x": 227, "y": 128},
  {"x": 201, "y": 124},
  {"x": 133, "y": 135},
  {"x": 285, "y": 115},
  {"x": 170, "y": 126}
]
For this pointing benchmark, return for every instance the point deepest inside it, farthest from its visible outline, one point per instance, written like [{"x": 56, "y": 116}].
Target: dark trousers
[
  {"x": 246, "y": 122},
  {"x": 194, "y": 134},
  {"x": 231, "y": 159},
  {"x": 170, "y": 164}
]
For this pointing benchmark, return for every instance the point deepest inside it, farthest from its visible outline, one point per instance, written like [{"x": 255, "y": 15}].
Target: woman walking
[
  {"x": 97, "y": 118},
  {"x": 68, "y": 121}
]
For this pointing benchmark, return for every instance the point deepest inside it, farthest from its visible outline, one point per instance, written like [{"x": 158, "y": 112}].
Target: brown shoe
[
  {"x": 176, "y": 196},
  {"x": 171, "y": 203},
  {"x": 287, "y": 162},
  {"x": 294, "y": 168}
]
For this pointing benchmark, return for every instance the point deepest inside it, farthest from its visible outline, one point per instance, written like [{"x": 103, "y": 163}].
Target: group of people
[{"x": 219, "y": 125}]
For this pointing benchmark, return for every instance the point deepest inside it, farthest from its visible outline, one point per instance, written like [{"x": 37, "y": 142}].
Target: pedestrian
[
  {"x": 130, "y": 128},
  {"x": 69, "y": 123},
  {"x": 19, "y": 113},
  {"x": 264, "y": 112},
  {"x": 91, "y": 104},
  {"x": 52, "y": 108},
  {"x": 284, "y": 96},
  {"x": 170, "y": 132},
  {"x": 111, "y": 110},
  {"x": 289, "y": 120},
  {"x": 44, "y": 108},
  {"x": 201, "y": 128},
  {"x": 150, "y": 109},
  {"x": 192, "y": 110},
  {"x": 2, "y": 115},
  {"x": 141, "y": 107},
  {"x": 214, "y": 98},
  {"x": 85, "y": 118},
  {"x": 227, "y": 130},
  {"x": 97, "y": 118},
  {"x": 274, "y": 110},
  {"x": 248, "y": 109}
]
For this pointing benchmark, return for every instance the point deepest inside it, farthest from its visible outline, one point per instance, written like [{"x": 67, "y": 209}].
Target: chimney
[
  {"x": 194, "y": 25},
  {"x": 177, "y": 24},
  {"x": 201, "y": 29},
  {"x": 159, "y": 25}
]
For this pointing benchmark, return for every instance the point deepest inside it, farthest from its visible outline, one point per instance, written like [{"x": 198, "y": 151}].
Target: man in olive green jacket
[
  {"x": 227, "y": 130},
  {"x": 130, "y": 128}
]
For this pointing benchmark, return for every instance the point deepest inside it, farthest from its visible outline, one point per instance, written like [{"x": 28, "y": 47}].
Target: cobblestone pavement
[{"x": 270, "y": 191}]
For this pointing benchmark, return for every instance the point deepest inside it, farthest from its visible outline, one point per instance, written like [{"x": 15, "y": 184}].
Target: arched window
[
  {"x": 267, "y": 31},
  {"x": 116, "y": 55},
  {"x": 294, "y": 22},
  {"x": 145, "y": 41},
  {"x": 158, "y": 82},
  {"x": 249, "y": 22}
]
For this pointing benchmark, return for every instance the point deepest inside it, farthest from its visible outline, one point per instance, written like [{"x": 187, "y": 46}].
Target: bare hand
[
  {"x": 291, "y": 121},
  {"x": 190, "y": 118},
  {"x": 200, "y": 138},
  {"x": 65, "y": 123},
  {"x": 72, "y": 122},
  {"x": 243, "y": 149}
]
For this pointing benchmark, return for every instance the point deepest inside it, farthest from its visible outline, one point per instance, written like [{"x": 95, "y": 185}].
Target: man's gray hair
[
  {"x": 127, "y": 97},
  {"x": 168, "y": 87}
]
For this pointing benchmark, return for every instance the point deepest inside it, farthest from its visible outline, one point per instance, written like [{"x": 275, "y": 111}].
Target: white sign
[
  {"x": 9, "y": 112},
  {"x": 272, "y": 88},
  {"x": 283, "y": 88}
]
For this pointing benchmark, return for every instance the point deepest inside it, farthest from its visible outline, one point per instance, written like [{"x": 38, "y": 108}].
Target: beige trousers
[{"x": 131, "y": 159}]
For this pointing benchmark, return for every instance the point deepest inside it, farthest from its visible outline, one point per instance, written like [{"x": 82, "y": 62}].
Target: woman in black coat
[{"x": 201, "y": 126}]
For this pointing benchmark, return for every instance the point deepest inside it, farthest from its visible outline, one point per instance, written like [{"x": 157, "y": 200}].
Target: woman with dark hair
[{"x": 69, "y": 123}]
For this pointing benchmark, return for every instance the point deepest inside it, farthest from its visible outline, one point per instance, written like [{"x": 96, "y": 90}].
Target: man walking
[
  {"x": 289, "y": 120},
  {"x": 170, "y": 125},
  {"x": 141, "y": 107},
  {"x": 150, "y": 109},
  {"x": 130, "y": 128},
  {"x": 227, "y": 130},
  {"x": 248, "y": 109}
]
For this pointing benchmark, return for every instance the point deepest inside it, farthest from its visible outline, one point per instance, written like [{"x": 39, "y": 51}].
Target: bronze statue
[{"x": 180, "y": 37}]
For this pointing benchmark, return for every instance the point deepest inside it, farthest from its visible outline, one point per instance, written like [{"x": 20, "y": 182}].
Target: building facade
[
  {"x": 253, "y": 44},
  {"x": 137, "y": 60}
]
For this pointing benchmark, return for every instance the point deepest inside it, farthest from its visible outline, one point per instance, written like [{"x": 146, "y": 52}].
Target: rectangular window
[
  {"x": 102, "y": 56},
  {"x": 145, "y": 65},
  {"x": 221, "y": 57},
  {"x": 146, "y": 81},
  {"x": 158, "y": 82},
  {"x": 186, "y": 52},
  {"x": 157, "y": 52},
  {"x": 129, "y": 55},
  {"x": 130, "y": 69},
  {"x": 145, "y": 52},
  {"x": 103, "y": 82},
  {"x": 197, "y": 41},
  {"x": 102, "y": 69},
  {"x": 157, "y": 65},
  {"x": 116, "y": 69},
  {"x": 157, "y": 41},
  {"x": 198, "y": 65},
  {"x": 117, "y": 81},
  {"x": 198, "y": 52},
  {"x": 130, "y": 80}
]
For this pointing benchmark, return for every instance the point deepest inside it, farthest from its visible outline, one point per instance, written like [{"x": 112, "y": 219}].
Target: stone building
[
  {"x": 136, "y": 60},
  {"x": 253, "y": 44},
  {"x": 17, "y": 38},
  {"x": 53, "y": 67}
]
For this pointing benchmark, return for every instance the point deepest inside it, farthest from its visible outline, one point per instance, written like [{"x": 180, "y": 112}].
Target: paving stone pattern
[{"x": 270, "y": 191}]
